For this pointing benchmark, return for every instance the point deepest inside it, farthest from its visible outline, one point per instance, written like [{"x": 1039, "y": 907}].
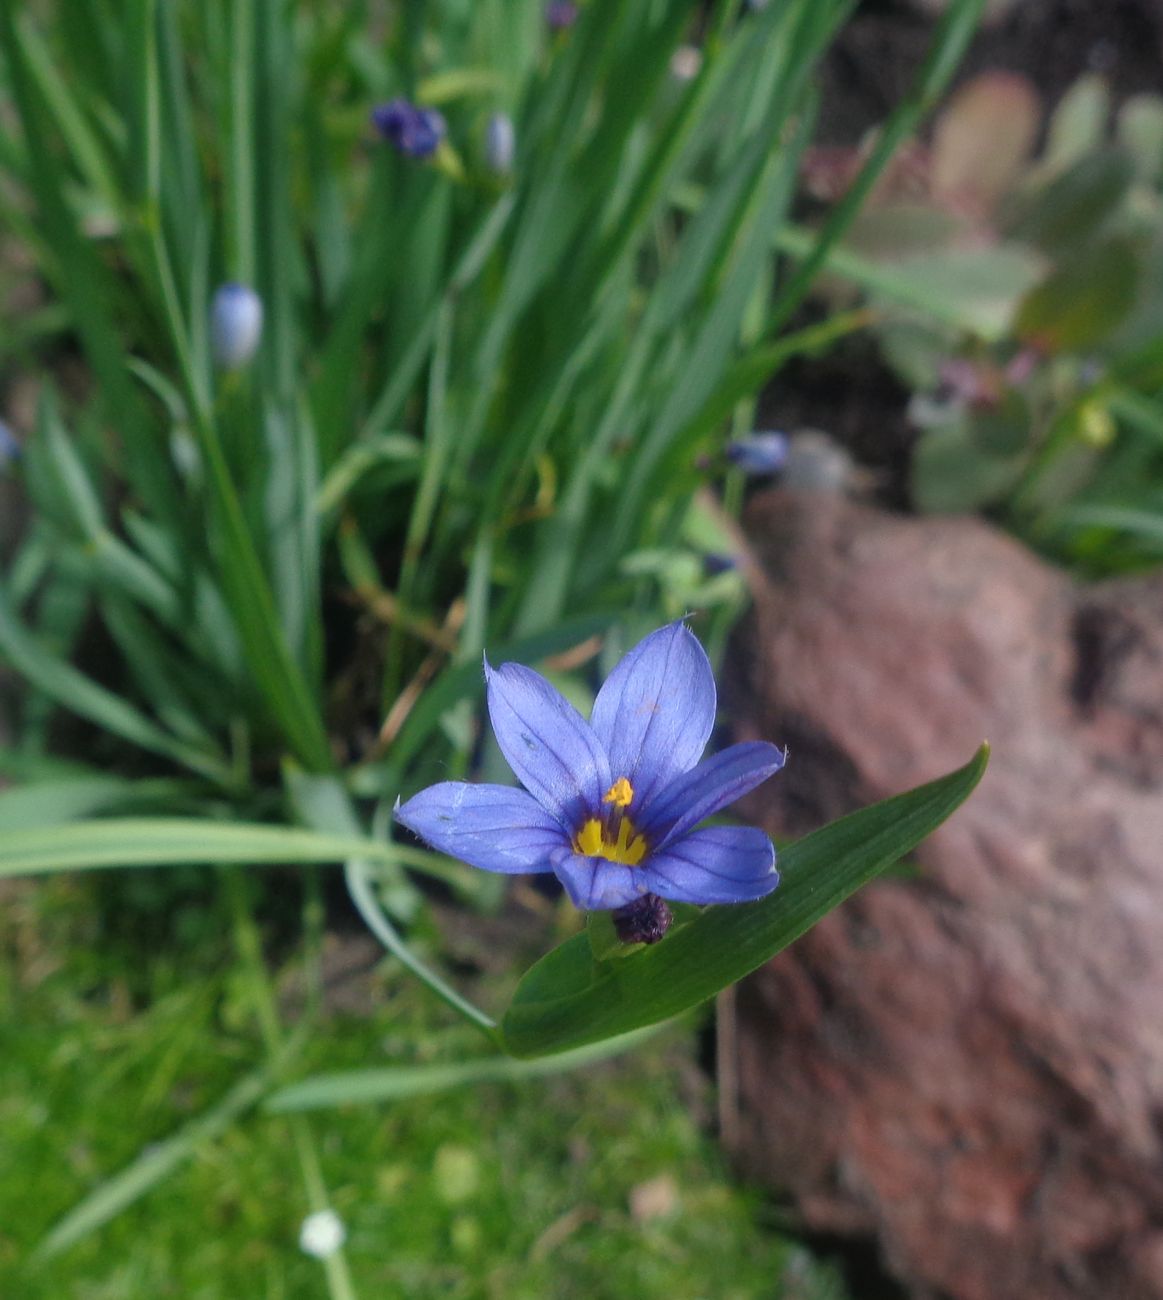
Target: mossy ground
[{"x": 503, "y": 1190}]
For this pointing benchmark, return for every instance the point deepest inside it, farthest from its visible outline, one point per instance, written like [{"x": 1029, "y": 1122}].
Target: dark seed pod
[{"x": 645, "y": 920}]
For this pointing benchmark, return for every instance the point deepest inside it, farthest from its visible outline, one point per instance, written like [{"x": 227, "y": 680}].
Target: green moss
[{"x": 500, "y": 1191}]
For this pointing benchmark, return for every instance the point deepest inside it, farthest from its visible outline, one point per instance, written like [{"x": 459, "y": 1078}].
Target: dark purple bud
[
  {"x": 759, "y": 453},
  {"x": 714, "y": 564},
  {"x": 416, "y": 132},
  {"x": 645, "y": 920},
  {"x": 560, "y": 14}
]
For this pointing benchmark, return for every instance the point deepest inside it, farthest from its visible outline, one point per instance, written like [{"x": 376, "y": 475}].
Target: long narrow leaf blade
[
  {"x": 568, "y": 999},
  {"x": 171, "y": 841},
  {"x": 395, "y": 1083}
]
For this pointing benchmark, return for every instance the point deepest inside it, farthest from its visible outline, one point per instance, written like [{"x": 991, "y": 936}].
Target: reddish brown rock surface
[{"x": 968, "y": 1064}]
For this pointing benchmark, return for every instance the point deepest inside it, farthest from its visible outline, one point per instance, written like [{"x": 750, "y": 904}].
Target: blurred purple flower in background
[
  {"x": 613, "y": 804},
  {"x": 759, "y": 453},
  {"x": 10, "y": 448},
  {"x": 416, "y": 132},
  {"x": 560, "y": 14},
  {"x": 235, "y": 325}
]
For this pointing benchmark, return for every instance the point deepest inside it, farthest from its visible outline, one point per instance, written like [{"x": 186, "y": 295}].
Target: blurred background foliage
[{"x": 1017, "y": 259}]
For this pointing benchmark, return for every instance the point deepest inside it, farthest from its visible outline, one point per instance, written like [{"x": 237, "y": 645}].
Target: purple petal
[
  {"x": 655, "y": 712},
  {"x": 556, "y": 756},
  {"x": 595, "y": 885},
  {"x": 494, "y": 827},
  {"x": 719, "y": 864},
  {"x": 705, "y": 789}
]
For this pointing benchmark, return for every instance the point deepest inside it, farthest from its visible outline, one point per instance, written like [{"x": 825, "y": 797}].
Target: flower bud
[
  {"x": 414, "y": 131},
  {"x": 235, "y": 325},
  {"x": 500, "y": 144},
  {"x": 644, "y": 921},
  {"x": 686, "y": 62}
]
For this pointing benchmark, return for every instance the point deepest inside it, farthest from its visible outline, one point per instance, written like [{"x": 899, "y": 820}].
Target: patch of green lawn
[{"x": 594, "y": 1184}]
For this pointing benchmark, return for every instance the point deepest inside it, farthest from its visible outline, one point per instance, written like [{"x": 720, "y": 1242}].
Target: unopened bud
[
  {"x": 235, "y": 325},
  {"x": 500, "y": 144}
]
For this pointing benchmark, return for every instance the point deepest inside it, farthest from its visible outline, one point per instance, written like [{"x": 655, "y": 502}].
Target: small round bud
[
  {"x": 685, "y": 62},
  {"x": 235, "y": 325},
  {"x": 500, "y": 144},
  {"x": 645, "y": 920}
]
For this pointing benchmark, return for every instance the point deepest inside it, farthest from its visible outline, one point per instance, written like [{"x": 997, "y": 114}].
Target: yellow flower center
[
  {"x": 596, "y": 841},
  {"x": 613, "y": 836}
]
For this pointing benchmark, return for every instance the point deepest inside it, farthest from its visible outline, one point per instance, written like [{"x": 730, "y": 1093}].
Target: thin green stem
[
  {"x": 362, "y": 895},
  {"x": 246, "y": 940},
  {"x": 953, "y": 35},
  {"x": 241, "y": 153}
]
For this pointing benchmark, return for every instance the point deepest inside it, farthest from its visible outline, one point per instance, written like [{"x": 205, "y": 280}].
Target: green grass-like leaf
[
  {"x": 172, "y": 841},
  {"x": 397, "y": 1082},
  {"x": 158, "y": 1162}
]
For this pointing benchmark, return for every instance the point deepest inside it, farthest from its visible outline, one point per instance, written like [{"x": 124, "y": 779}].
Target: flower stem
[
  {"x": 246, "y": 940},
  {"x": 362, "y": 895}
]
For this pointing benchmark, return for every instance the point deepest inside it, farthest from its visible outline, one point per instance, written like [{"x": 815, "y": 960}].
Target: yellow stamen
[
  {"x": 619, "y": 794},
  {"x": 629, "y": 848}
]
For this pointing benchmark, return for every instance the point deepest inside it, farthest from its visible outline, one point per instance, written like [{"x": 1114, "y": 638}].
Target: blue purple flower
[
  {"x": 235, "y": 325},
  {"x": 416, "y": 132},
  {"x": 759, "y": 453},
  {"x": 612, "y": 807},
  {"x": 560, "y": 14}
]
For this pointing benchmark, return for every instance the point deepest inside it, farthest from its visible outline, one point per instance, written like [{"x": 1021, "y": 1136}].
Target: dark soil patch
[{"x": 1053, "y": 42}]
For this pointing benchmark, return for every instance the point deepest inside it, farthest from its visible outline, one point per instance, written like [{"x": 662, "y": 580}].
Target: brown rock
[{"x": 969, "y": 1063}]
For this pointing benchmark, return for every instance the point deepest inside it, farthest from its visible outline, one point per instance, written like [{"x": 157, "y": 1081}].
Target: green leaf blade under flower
[{"x": 567, "y": 999}]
